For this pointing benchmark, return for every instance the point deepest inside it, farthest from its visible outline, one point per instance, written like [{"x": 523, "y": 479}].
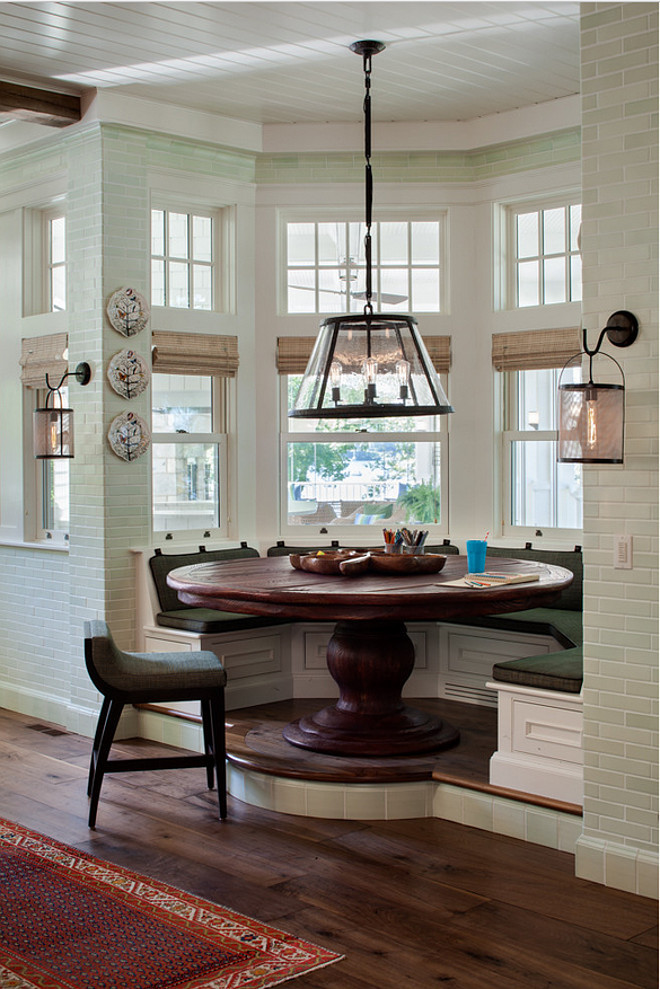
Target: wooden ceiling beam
[{"x": 38, "y": 106}]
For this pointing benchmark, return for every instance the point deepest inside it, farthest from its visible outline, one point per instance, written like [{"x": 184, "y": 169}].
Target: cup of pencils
[
  {"x": 405, "y": 541},
  {"x": 393, "y": 540}
]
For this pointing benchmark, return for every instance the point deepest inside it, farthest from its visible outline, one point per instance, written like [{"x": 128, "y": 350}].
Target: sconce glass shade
[
  {"x": 52, "y": 433},
  {"x": 369, "y": 366},
  {"x": 591, "y": 420}
]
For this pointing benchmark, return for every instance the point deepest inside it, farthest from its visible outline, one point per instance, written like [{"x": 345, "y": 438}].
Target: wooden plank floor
[
  {"x": 254, "y": 740},
  {"x": 412, "y": 904}
]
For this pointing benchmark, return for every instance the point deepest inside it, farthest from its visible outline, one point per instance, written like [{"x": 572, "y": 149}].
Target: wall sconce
[
  {"x": 53, "y": 425},
  {"x": 591, "y": 413}
]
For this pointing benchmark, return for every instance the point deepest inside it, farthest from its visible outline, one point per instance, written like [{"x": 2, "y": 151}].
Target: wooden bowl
[
  {"x": 397, "y": 565},
  {"x": 323, "y": 563}
]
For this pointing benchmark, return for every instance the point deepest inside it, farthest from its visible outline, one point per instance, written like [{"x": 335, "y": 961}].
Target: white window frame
[
  {"x": 221, "y": 416},
  {"x": 341, "y": 215},
  {"x": 512, "y": 211},
  {"x": 37, "y": 289},
  {"x": 507, "y": 394},
  {"x": 222, "y": 254},
  {"x": 370, "y": 534}
]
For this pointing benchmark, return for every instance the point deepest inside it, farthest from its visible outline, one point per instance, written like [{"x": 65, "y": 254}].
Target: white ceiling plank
[{"x": 285, "y": 62}]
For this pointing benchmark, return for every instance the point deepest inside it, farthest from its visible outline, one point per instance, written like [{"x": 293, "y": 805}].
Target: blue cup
[{"x": 476, "y": 555}]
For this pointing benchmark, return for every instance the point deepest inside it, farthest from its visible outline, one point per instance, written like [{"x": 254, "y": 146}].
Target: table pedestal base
[{"x": 370, "y": 662}]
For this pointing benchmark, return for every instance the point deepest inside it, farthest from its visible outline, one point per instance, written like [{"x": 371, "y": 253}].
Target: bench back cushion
[
  {"x": 571, "y": 597},
  {"x": 280, "y": 549},
  {"x": 162, "y": 564}
]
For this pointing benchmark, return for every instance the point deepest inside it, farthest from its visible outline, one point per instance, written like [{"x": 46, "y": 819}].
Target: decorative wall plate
[
  {"x": 127, "y": 311},
  {"x": 129, "y": 436},
  {"x": 128, "y": 373}
]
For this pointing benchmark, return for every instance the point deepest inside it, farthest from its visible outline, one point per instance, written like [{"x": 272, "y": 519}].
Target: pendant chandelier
[
  {"x": 591, "y": 413},
  {"x": 369, "y": 364}
]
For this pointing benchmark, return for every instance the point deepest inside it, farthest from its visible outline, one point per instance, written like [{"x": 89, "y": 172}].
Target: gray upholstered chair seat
[{"x": 136, "y": 678}]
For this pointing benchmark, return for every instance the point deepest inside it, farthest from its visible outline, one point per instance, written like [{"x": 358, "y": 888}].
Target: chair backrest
[
  {"x": 571, "y": 597},
  {"x": 102, "y": 656},
  {"x": 161, "y": 564}
]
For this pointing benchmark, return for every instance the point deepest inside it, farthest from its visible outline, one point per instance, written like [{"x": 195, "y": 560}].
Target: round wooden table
[{"x": 370, "y": 655}]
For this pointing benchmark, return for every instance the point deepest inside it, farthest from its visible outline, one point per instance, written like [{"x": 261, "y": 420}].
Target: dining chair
[{"x": 141, "y": 678}]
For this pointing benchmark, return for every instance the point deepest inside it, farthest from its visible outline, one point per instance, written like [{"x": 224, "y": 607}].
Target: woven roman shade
[
  {"x": 533, "y": 349},
  {"x": 293, "y": 353},
  {"x": 41, "y": 356},
  {"x": 194, "y": 353},
  {"x": 439, "y": 350}
]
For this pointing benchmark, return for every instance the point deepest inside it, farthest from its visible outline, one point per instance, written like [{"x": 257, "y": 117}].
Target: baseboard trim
[{"x": 609, "y": 863}]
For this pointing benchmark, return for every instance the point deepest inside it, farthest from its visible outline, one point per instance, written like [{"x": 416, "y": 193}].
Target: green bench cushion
[
  {"x": 555, "y": 671},
  {"x": 571, "y": 597},
  {"x": 176, "y": 614},
  {"x": 565, "y": 626},
  {"x": 281, "y": 550},
  {"x": 161, "y": 564},
  {"x": 209, "y": 620}
]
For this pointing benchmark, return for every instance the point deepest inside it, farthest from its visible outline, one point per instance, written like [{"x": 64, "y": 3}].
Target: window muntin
[
  {"x": 547, "y": 266},
  {"x": 326, "y": 272},
  {"x": 538, "y": 492},
  {"x": 380, "y": 472},
  {"x": 189, "y": 453},
  {"x": 183, "y": 259}
]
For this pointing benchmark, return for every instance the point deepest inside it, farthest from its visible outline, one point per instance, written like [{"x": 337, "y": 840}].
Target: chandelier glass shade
[{"x": 370, "y": 364}]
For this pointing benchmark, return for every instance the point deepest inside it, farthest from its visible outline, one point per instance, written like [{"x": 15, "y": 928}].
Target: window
[
  {"x": 46, "y": 481},
  {"x": 189, "y": 452},
  {"x": 53, "y": 485},
  {"x": 378, "y": 472},
  {"x": 325, "y": 266},
  {"x": 44, "y": 285},
  {"x": 184, "y": 259},
  {"x": 547, "y": 266},
  {"x": 539, "y": 493},
  {"x": 56, "y": 262}
]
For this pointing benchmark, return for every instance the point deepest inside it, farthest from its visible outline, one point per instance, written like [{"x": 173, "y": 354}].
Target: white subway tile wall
[{"x": 619, "y": 242}]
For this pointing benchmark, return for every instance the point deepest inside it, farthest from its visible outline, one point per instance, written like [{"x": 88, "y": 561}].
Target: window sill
[{"x": 41, "y": 544}]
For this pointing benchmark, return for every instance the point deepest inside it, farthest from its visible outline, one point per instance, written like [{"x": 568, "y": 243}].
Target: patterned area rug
[{"x": 71, "y": 921}]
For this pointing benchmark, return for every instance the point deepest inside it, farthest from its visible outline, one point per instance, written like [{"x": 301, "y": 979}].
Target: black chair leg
[
  {"x": 208, "y": 740},
  {"x": 100, "y": 725},
  {"x": 217, "y": 705},
  {"x": 107, "y": 734}
]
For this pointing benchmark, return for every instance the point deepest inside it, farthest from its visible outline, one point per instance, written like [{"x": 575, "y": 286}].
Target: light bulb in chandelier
[
  {"x": 402, "y": 369},
  {"x": 335, "y": 380},
  {"x": 369, "y": 374}
]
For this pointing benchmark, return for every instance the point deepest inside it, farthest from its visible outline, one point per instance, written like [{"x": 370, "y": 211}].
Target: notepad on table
[{"x": 497, "y": 579}]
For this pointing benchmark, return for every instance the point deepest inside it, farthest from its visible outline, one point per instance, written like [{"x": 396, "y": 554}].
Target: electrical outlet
[{"x": 623, "y": 552}]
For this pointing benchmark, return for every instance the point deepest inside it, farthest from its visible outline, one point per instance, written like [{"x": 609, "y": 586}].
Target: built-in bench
[
  {"x": 539, "y": 696},
  {"x": 175, "y": 614}
]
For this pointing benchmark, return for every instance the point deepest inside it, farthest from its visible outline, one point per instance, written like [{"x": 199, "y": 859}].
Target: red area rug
[{"x": 71, "y": 921}]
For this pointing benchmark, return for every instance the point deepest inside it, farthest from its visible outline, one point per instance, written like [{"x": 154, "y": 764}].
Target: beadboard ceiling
[{"x": 274, "y": 62}]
